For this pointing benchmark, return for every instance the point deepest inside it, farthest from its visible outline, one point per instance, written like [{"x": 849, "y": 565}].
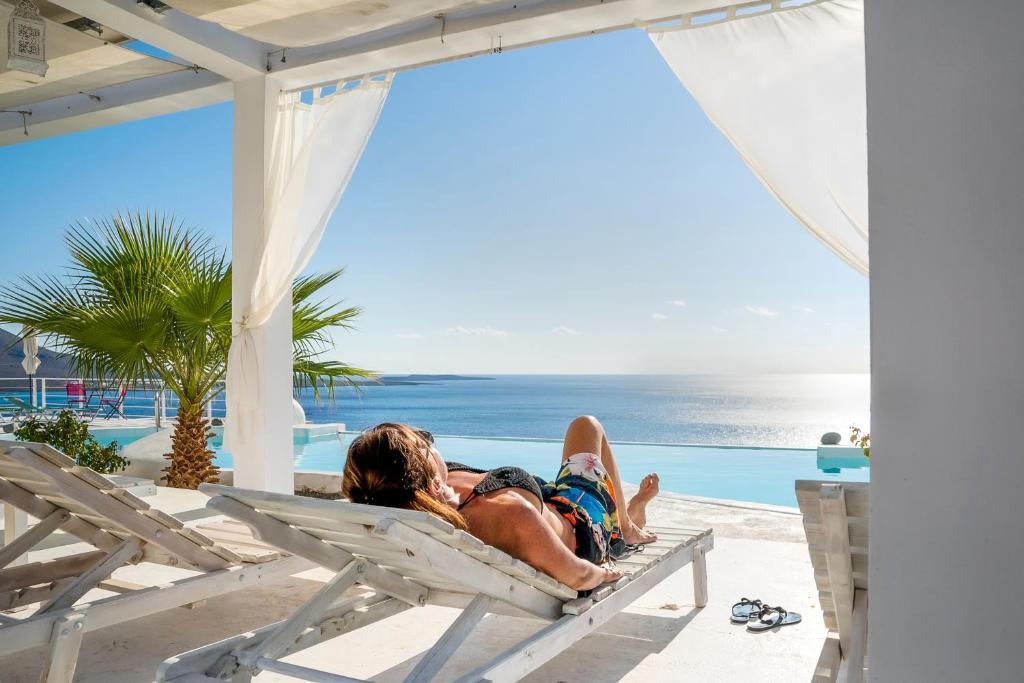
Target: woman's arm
[{"x": 525, "y": 535}]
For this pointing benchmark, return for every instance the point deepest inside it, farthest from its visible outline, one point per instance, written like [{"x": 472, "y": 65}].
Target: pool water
[
  {"x": 122, "y": 435},
  {"x": 761, "y": 475}
]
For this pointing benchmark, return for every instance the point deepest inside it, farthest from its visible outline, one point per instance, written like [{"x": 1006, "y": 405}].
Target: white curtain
[
  {"x": 314, "y": 152},
  {"x": 786, "y": 87}
]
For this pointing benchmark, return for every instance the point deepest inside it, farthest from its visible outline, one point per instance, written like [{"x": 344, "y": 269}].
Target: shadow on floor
[
  {"x": 132, "y": 651},
  {"x": 604, "y": 656}
]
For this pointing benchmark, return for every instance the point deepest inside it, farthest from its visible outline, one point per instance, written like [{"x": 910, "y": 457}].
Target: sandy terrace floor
[{"x": 759, "y": 552}]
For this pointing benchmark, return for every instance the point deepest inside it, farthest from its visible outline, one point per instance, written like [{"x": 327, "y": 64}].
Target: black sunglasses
[{"x": 426, "y": 436}]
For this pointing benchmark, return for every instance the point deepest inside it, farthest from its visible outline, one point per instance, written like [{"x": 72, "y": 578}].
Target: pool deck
[{"x": 760, "y": 551}]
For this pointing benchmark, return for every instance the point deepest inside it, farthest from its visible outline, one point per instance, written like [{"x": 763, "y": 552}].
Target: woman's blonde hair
[{"x": 390, "y": 465}]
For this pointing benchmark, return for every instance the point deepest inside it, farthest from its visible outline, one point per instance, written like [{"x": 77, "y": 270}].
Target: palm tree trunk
[{"x": 191, "y": 457}]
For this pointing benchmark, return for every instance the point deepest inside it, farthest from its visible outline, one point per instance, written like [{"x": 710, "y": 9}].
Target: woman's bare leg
[{"x": 586, "y": 435}]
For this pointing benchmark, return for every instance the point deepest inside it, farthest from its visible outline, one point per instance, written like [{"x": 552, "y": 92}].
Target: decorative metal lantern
[{"x": 26, "y": 39}]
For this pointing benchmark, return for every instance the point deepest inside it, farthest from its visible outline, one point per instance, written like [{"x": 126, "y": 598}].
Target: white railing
[{"x": 148, "y": 399}]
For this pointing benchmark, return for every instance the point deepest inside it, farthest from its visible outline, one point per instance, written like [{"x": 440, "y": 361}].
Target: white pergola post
[{"x": 265, "y": 462}]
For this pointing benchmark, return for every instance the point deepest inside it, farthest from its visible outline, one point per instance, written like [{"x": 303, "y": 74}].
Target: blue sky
[{"x": 561, "y": 209}]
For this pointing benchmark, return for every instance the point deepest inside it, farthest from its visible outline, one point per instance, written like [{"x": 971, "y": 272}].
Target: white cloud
[
  {"x": 409, "y": 335},
  {"x": 762, "y": 311},
  {"x": 803, "y": 309},
  {"x": 485, "y": 331},
  {"x": 565, "y": 330},
  {"x": 659, "y": 316},
  {"x": 679, "y": 303},
  {"x": 719, "y": 330}
]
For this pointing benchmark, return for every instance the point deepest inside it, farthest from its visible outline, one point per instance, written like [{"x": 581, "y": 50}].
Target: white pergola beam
[
  {"x": 143, "y": 98},
  {"x": 470, "y": 32},
  {"x": 467, "y": 33},
  {"x": 204, "y": 43}
]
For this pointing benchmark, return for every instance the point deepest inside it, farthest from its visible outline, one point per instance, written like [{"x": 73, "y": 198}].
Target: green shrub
[{"x": 71, "y": 436}]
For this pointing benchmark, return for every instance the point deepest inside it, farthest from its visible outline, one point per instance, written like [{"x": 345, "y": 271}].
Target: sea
[{"x": 781, "y": 411}]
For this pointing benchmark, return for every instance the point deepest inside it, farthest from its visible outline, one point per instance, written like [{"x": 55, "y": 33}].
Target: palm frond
[
  {"x": 313, "y": 318},
  {"x": 305, "y": 286},
  {"x": 145, "y": 298},
  {"x": 325, "y": 376}
]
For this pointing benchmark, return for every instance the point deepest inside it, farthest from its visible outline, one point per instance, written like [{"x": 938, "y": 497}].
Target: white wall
[{"x": 945, "y": 94}]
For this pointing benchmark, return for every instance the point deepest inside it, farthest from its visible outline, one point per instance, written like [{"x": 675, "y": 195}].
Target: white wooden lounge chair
[
  {"x": 123, "y": 530},
  {"x": 410, "y": 559},
  {"x": 836, "y": 524}
]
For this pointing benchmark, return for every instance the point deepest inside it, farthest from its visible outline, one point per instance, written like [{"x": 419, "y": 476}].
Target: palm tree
[{"x": 147, "y": 299}]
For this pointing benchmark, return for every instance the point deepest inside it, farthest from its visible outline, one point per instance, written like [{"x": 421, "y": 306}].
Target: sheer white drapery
[
  {"x": 314, "y": 152},
  {"x": 786, "y": 87}
]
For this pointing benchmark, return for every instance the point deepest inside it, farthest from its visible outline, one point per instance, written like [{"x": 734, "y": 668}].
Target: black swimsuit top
[{"x": 497, "y": 479}]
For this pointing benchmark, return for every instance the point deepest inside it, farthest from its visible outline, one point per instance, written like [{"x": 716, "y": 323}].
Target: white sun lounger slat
[
  {"x": 679, "y": 531},
  {"x": 125, "y": 530},
  {"x": 167, "y": 520},
  {"x": 12, "y": 470},
  {"x": 835, "y": 517},
  {"x": 313, "y": 522},
  {"x": 857, "y": 530},
  {"x": 859, "y": 562},
  {"x": 327, "y": 511},
  {"x": 127, "y": 516},
  {"x": 39, "y": 508},
  {"x": 40, "y": 485},
  {"x": 340, "y": 531},
  {"x": 279, "y": 534},
  {"x": 54, "y": 456},
  {"x": 130, "y": 499},
  {"x": 239, "y": 540},
  {"x": 453, "y": 567},
  {"x": 97, "y": 480},
  {"x": 34, "y": 573},
  {"x": 858, "y": 504},
  {"x": 316, "y": 517}
]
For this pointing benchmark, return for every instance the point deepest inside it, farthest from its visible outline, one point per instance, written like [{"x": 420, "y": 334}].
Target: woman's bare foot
[
  {"x": 638, "y": 536},
  {"x": 636, "y": 508}
]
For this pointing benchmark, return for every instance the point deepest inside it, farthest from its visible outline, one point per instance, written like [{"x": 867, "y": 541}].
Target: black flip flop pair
[{"x": 760, "y": 617}]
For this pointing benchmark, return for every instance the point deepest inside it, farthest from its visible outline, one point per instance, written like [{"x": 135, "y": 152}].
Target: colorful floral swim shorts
[{"x": 584, "y": 495}]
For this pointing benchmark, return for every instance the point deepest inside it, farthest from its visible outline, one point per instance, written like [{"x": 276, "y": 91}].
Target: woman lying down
[{"x": 570, "y": 529}]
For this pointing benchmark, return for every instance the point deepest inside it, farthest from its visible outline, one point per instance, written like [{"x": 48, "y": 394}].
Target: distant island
[
  {"x": 54, "y": 364},
  {"x": 434, "y": 378},
  {"x": 412, "y": 380}
]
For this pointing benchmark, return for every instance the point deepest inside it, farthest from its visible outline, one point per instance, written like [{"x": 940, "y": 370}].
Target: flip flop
[
  {"x": 772, "y": 617},
  {"x": 620, "y": 549},
  {"x": 745, "y": 610}
]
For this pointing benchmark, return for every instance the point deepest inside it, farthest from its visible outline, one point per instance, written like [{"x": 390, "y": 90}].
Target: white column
[
  {"x": 266, "y": 462},
  {"x": 946, "y": 197}
]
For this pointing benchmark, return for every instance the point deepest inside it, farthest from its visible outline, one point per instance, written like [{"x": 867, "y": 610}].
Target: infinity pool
[{"x": 761, "y": 475}]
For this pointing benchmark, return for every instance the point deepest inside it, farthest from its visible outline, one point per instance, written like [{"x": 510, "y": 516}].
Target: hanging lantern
[{"x": 26, "y": 39}]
